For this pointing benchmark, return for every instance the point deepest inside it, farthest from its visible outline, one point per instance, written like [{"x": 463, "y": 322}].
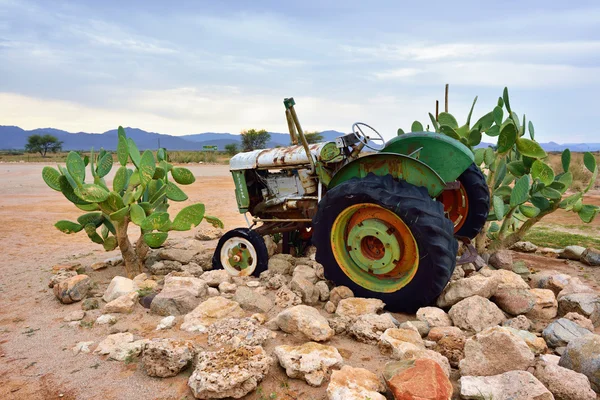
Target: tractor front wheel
[
  {"x": 241, "y": 252},
  {"x": 385, "y": 239}
]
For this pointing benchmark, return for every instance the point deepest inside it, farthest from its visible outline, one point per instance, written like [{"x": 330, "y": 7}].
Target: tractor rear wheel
[
  {"x": 468, "y": 206},
  {"x": 241, "y": 252},
  {"x": 385, "y": 239}
]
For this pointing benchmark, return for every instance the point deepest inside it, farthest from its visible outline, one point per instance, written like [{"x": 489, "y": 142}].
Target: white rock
[
  {"x": 562, "y": 382},
  {"x": 120, "y": 346},
  {"x": 546, "y": 306},
  {"x": 231, "y": 372},
  {"x": 310, "y": 361},
  {"x": 166, "y": 323},
  {"x": 122, "y": 304},
  {"x": 304, "y": 320},
  {"x": 475, "y": 314},
  {"x": 76, "y": 315},
  {"x": 368, "y": 328},
  {"x": 210, "y": 311},
  {"x": 354, "y": 307},
  {"x": 475, "y": 285},
  {"x": 433, "y": 316},
  {"x": 166, "y": 357},
  {"x": 106, "y": 319},
  {"x": 351, "y": 383},
  {"x": 118, "y": 287},
  {"x": 215, "y": 277},
  {"x": 82, "y": 347}
]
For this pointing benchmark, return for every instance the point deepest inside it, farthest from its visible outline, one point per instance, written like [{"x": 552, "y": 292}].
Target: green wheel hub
[{"x": 373, "y": 248}]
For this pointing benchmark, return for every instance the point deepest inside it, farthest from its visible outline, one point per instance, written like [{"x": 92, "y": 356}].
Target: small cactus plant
[
  {"x": 523, "y": 186},
  {"x": 139, "y": 196}
]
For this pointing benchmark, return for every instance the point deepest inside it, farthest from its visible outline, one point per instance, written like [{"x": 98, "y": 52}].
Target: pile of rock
[{"x": 495, "y": 333}]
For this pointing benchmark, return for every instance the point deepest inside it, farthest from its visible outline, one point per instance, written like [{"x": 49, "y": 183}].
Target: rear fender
[
  {"x": 446, "y": 156},
  {"x": 399, "y": 166}
]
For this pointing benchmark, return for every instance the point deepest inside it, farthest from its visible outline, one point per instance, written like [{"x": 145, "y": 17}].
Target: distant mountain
[{"x": 13, "y": 137}]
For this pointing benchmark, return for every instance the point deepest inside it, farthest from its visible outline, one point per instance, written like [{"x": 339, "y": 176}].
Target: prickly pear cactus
[
  {"x": 523, "y": 186},
  {"x": 139, "y": 195}
]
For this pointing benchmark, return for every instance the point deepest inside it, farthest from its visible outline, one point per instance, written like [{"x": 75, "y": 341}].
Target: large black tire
[
  {"x": 425, "y": 218},
  {"x": 254, "y": 238},
  {"x": 478, "y": 196}
]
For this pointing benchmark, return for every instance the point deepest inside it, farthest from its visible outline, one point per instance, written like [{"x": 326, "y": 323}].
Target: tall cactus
[
  {"x": 523, "y": 186},
  {"x": 139, "y": 196}
]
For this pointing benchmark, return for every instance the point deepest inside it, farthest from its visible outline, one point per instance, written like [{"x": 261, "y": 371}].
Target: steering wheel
[{"x": 364, "y": 139}]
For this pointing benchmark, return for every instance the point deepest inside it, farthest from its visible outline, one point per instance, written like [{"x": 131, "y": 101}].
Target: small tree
[
  {"x": 523, "y": 186},
  {"x": 139, "y": 196},
  {"x": 253, "y": 139},
  {"x": 313, "y": 137},
  {"x": 232, "y": 149},
  {"x": 43, "y": 144}
]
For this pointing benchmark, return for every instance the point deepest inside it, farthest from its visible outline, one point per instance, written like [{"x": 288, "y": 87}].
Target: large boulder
[
  {"x": 124, "y": 304},
  {"x": 250, "y": 300},
  {"x": 306, "y": 321},
  {"x": 545, "y": 307},
  {"x": 119, "y": 286},
  {"x": 368, "y": 328},
  {"x": 230, "y": 372},
  {"x": 210, "y": 311},
  {"x": 562, "y": 382},
  {"x": 475, "y": 314},
  {"x": 434, "y": 316},
  {"x": 167, "y": 357},
  {"x": 494, "y": 351},
  {"x": 475, "y": 285},
  {"x": 417, "y": 379},
  {"x": 351, "y": 383},
  {"x": 233, "y": 331},
  {"x": 512, "y": 385},
  {"x": 583, "y": 355},
  {"x": 354, "y": 307},
  {"x": 179, "y": 296},
  {"x": 310, "y": 361},
  {"x": 72, "y": 289},
  {"x": 560, "y": 332},
  {"x": 586, "y": 304}
]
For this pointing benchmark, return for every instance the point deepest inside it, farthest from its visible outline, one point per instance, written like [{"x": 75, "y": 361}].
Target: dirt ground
[{"x": 36, "y": 361}]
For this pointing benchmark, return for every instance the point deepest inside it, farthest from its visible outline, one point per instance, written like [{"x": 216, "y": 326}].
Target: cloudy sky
[{"x": 186, "y": 67}]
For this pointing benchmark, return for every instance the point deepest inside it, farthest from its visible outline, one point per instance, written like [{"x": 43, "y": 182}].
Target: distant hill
[{"x": 14, "y": 138}]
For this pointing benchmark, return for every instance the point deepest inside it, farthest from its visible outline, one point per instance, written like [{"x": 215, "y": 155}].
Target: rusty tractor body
[{"x": 373, "y": 217}]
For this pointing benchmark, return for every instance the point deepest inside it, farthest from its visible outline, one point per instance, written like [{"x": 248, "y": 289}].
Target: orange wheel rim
[{"x": 456, "y": 206}]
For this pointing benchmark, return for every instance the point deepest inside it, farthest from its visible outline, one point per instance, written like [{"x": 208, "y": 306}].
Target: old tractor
[{"x": 384, "y": 222}]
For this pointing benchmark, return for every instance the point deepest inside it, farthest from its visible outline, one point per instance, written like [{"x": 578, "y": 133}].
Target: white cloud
[{"x": 495, "y": 74}]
